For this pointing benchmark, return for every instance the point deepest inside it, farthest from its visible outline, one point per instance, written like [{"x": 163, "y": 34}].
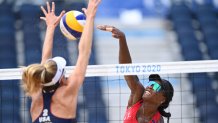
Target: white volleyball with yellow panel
[{"x": 72, "y": 24}]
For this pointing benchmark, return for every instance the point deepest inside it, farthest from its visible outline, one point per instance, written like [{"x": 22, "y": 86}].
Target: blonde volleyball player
[
  {"x": 54, "y": 98},
  {"x": 146, "y": 104}
]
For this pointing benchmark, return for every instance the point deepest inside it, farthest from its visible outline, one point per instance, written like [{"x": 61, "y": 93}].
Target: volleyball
[{"x": 72, "y": 24}]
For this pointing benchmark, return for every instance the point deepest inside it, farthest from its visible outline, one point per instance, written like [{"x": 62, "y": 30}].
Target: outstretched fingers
[
  {"x": 105, "y": 28},
  {"x": 43, "y": 18},
  {"x": 60, "y": 16},
  {"x": 43, "y": 10},
  {"x": 53, "y": 7},
  {"x": 48, "y": 7},
  {"x": 97, "y": 2},
  {"x": 84, "y": 10},
  {"x": 45, "y": 13},
  {"x": 116, "y": 33}
]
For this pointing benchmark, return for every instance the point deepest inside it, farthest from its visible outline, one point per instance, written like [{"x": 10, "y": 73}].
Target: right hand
[
  {"x": 116, "y": 33},
  {"x": 50, "y": 18},
  {"x": 90, "y": 12}
]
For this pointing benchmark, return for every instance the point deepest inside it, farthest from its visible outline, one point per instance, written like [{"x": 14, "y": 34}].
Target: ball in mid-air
[{"x": 72, "y": 24}]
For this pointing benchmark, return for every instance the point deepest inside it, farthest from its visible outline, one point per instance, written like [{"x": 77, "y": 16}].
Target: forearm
[
  {"x": 84, "y": 48},
  {"x": 124, "y": 55},
  {"x": 85, "y": 43},
  {"x": 48, "y": 44},
  {"x": 76, "y": 78}
]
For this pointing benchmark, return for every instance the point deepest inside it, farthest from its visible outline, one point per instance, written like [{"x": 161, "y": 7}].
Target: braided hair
[{"x": 168, "y": 90}]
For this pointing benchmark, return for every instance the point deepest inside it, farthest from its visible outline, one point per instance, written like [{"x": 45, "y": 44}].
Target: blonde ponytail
[{"x": 36, "y": 74}]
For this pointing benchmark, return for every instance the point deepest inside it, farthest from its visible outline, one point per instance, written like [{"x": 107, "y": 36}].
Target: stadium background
[{"x": 156, "y": 30}]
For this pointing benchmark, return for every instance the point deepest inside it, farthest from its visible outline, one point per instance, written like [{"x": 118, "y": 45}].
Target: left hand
[
  {"x": 50, "y": 18},
  {"x": 116, "y": 33}
]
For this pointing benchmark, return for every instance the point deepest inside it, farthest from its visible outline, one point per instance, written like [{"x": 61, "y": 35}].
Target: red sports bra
[{"x": 130, "y": 115}]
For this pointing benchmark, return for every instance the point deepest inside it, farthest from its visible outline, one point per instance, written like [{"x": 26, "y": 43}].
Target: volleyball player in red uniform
[{"x": 146, "y": 103}]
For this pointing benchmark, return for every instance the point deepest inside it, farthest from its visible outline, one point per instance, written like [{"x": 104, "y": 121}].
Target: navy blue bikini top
[{"x": 46, "y": 116}]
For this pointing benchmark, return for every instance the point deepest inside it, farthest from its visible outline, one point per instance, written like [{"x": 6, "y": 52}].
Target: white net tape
[{"x": 131, "y": 69}]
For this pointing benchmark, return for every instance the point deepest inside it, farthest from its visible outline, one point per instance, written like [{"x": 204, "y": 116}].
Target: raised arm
[
  {"x": 135, "y": 86},
  {"x": 76, "y": 78},
  {"x": 51, "y": 21}
]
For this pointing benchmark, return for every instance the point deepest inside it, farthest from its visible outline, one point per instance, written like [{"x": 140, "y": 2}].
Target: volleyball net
[{"x": 104, "y": 95}]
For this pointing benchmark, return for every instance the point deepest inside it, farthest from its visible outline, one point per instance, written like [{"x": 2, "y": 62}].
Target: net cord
[{"x": 130, "y": 69}]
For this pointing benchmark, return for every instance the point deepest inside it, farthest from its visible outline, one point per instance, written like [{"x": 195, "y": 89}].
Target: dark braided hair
[{"x": 168, "y": 90}]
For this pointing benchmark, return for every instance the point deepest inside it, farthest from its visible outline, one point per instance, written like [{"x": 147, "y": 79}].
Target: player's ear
[{"x": 162, "y": 101}]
